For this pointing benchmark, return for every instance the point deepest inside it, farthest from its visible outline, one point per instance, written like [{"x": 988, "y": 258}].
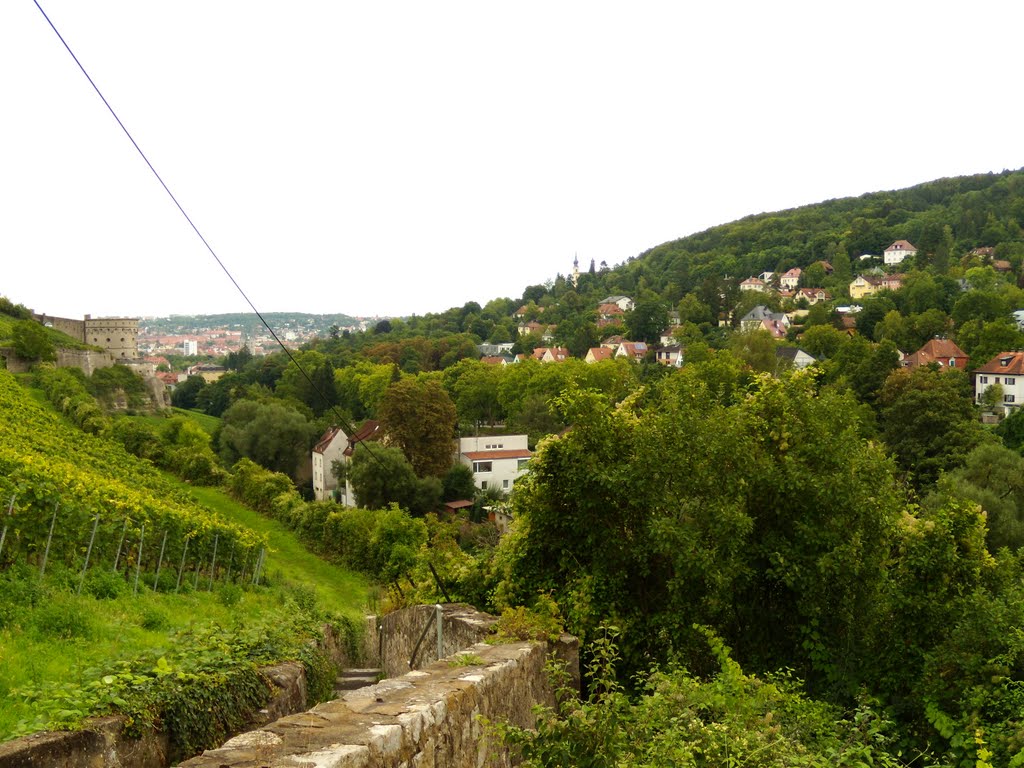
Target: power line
[{"x": 341, "y": 419}]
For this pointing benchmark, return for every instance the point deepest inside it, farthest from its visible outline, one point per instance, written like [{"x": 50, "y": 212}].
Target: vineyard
[{"x": 77, "y": 499}]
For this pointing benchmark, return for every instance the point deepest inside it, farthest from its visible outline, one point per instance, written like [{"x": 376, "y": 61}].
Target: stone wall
[
  {"x": 462, "y": 626},
  {"x": 429, "y": 718},
  {"x": 85, "y": 360}
]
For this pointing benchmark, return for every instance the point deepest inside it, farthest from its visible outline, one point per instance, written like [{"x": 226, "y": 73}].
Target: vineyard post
[
  {"x": 213, "y": 561},
  {"x": 259, "y": 566},
  {"x": 160, "y": 561},
  {"x": 88, "y": 552},
  {"x": 49, "y": 538},
  {"x": 231, "y": 561},
  {"x": 181, "y": 567},
  {"x": 117, "y": 558},
  {"x": 138, "y": 561},
  {"x": 10, "y": 512},
  {"x": 195, "y": 581}
]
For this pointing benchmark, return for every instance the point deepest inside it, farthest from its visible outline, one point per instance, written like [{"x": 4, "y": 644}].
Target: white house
[
  {"x": 1007, "y": 370},
  {"x": 790, "y": 278},
  {"x": 334, "y": 445},
  {"x": 624, "y": 303},
  {"x": 754, "y": 284},
  {"x": 497, "y": 461},
  {"x": 898, "y": 251}
]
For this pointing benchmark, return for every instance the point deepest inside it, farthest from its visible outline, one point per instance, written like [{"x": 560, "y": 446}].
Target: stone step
[{"x": 352, "y": 679}]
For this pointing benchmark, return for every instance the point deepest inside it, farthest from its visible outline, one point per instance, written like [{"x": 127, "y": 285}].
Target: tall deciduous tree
[
  {"x": 382, "y": 475},
  {"x": 928, "y": 421},
  {"x": 270, "y": 433},
  {"x": 418, "y": 417}
]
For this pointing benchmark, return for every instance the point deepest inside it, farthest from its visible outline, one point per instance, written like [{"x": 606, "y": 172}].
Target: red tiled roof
[
  {"x": 936, "y": 350},
  {"x": 369, "y": 430},
  {"x": 520, "y": 453},
  {"x": 901, "y": 245},
  {"x": 1014, "y": 364},
  {"x": 600, "y": 353},
  {"x": 325, "y": 441}
]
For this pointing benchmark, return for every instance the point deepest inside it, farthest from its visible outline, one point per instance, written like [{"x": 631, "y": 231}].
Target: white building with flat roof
[{"x": 497, "y": 461}]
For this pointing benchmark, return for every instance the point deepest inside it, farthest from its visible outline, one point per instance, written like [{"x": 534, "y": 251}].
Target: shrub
[{"x": 63, "y": 618}]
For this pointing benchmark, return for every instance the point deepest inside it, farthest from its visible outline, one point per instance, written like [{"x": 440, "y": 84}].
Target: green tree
[
  {"x": 993, "y": 477},
  {"x": 186, "y": 393},
  {"x": 270, "y": 433},
  {"x": 928, "y": 421},
  {"x": 458, "y": 483},
  {"x": 31, "y": 341},
  {"x": 419, "y": 417},
  {"x": 646, "y": 321},
  {"x": 382, "y": 476}
]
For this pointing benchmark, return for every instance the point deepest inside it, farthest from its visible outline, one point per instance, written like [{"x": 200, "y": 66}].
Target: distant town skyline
[{"x": 404, "y": 158}]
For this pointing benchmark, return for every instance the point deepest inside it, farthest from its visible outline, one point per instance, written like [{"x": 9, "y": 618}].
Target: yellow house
[{"x": 865, "y": 285}]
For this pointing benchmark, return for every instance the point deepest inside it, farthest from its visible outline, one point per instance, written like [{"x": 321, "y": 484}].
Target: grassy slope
[
  {"x": 68, "y": 637},
  {"x": 339, "y": 590}
]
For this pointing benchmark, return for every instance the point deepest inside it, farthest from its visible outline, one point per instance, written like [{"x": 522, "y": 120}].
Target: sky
[{"x": 397, "y": 158}]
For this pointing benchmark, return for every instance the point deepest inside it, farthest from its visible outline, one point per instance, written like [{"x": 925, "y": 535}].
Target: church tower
[{"x": 575, "y": 270}]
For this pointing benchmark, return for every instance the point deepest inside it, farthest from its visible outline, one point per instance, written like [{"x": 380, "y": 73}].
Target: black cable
[{"x": 341, "y": 419}]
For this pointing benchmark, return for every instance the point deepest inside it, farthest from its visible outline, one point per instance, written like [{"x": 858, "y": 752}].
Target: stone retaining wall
[
  {"x": 429, "y": 718},
  {"x": 462, "y": 627}
]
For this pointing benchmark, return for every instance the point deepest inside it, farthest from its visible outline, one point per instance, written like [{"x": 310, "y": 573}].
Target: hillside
[{"x": 107, "y": 564}]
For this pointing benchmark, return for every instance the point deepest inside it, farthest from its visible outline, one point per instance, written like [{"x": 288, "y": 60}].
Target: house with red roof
[
  {"x": 754, "y": 284},
  {"x": 1007, "y": 370},
  {"x": 634, "y": 350},
  {"x": 551, "y": 354},
  {"x": 597, "y": 354},
  {"x": 944, "y": 352},
  {"x": 497, "y": 461},
  {"x": 334, "y": 445},
  {"x": 790, "y": 278},
  {"x": 898, "y": 251}
]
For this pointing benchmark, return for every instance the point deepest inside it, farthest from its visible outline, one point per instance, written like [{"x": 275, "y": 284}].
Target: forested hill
[{"x": 943, "y": 218}]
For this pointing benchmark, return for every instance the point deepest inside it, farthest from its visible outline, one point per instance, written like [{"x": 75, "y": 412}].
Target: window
[
  {"x": 481, "y": 466},
  {"x": 522, "y": 464},
  {"x": 952, "y": 362},
  {"x": 483, "y": 485},
  {"x": 983, "y": 379},
  {"x": 504, "y": 484},
  {"x": 1007, "y": 398},
  {"x": 1008, "y": 380}
]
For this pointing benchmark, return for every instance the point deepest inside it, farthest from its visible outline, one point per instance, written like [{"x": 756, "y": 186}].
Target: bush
[{"x": 62, "y": 618}]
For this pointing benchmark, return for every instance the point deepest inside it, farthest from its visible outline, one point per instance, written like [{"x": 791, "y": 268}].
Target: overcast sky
[{"x": 393, "y": 158}]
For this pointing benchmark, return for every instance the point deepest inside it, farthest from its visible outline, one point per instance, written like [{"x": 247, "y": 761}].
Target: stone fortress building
[{"x": 117, "y": 335}]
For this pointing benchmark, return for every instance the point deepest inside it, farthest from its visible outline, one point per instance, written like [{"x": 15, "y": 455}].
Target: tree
[
  {"x": 382, "y": 475},
  {"x": 928, "y": 421},
  {"x": 270, "y": 433},
  {"x": 31, "y": 341},
  {"x": 646, "y": 321},
  {"x": 688, "y": 509},
  {"x": 756, "y": 348},
  {"x": 186, "y": 393},
  {"x": 993, "y": 477},
  {"x": 418, "y": 417},
  {"x": 458, "y": 483}
]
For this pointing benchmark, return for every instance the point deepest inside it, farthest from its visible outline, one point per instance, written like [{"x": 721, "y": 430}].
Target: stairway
[{"x": 352, "y": 679}]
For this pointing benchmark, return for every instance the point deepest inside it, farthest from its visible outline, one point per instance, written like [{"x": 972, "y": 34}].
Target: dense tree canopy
[{"x": 419, "y": 418}]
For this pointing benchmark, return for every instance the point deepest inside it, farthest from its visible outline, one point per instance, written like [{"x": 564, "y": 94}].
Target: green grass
[
  {"x": 74, "y": 638},
  {"x": 337, "y": 589},
  {"x": 209, "y": 424}
]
